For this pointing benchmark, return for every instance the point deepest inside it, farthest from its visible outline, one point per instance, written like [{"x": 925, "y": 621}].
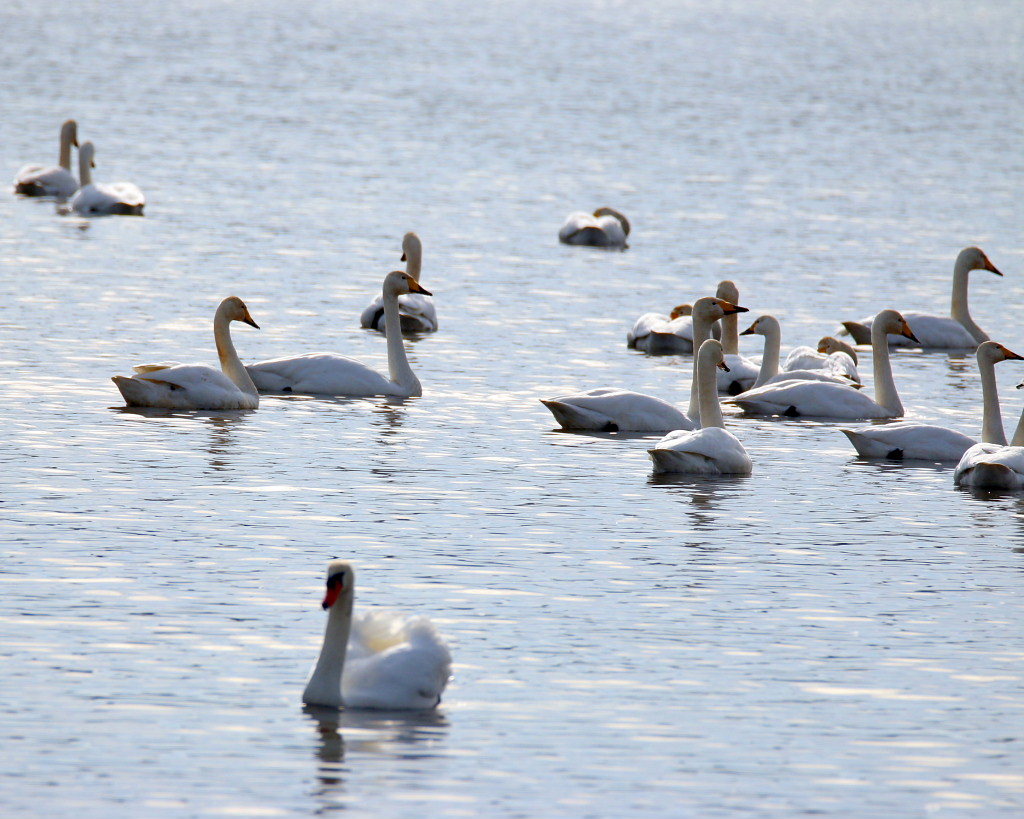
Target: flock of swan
[{"x": 381, "y": 660}]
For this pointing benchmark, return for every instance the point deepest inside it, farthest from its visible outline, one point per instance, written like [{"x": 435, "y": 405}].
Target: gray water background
[{"x": 827, "y": 637}]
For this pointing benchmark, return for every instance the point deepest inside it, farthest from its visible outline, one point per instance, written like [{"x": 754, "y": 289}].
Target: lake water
[{"x": 827, "y": 637}]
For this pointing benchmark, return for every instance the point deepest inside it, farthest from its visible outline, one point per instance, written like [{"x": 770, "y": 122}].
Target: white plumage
[
  {"x": 112, "y": 198},
  {"x": 51, "y": 180}
]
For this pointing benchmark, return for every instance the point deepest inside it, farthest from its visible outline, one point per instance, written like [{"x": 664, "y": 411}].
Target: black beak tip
[
  {"x": 252, "y": 323},
  {"x": 403, "y": 257}
]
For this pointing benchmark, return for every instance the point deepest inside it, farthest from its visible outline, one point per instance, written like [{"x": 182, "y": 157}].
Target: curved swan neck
[
  {"x": 958, "y": 307},
  {"x": 324, "y": 686},
  {"x": 991, "y": 419},
  {"x": 414, "y": 259},
  {"x": 229, "y": 361},
  {"x": 731, "y": 334},
  {"x": 701, "y": 333},
  {"x": 772, "y": 333},
  {"x": 1018, "y": 433},
  {"x": 67, "y": 136},
  {"x": 84, "y": 167},
  {"x": 710, "y": 408},
  {"x": 398, "y": 363},
  {"x": 885, "y": 387}
]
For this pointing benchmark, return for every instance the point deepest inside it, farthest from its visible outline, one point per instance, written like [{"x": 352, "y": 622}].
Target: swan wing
[
  {"x": 991, "y": 466},
  {"x": 612, "y": 229},
  {"x": 812, "y": 375},
  {"x": 574, "y": 224},
  {"x": 910, "y": 441},
  {"x": 840, "y": 364},
  {"x": 417, "y": 311},
  {"x": 741, "y": 376},
  {"x": 708, "y": 451},
  {"x": 320, "y": 374},
  {"x": 119, "y": 198},
  {"x": 932, "y": 331},
  {"x": 42, "y": 180},
  {"x": 813, "y": 398},
  {"x": 184, "y": 386},
  {"x": 804, "y": 358},
  {"x": 612, "y": 410}
]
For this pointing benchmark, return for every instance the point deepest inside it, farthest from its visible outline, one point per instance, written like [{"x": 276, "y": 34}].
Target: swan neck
[
  {"x": 324, "y": 686},
  {"x": 84, "y": 169},
  {"x": 770, "y": 356},
  {"x": 991, "y": 417},
  {"x": 701, "y": 333},
  {"x": 64, "y": 160},
  {"x": 731, "y": 334},
  {"x": 414, "y": 262},
  {"x": 710, "y": 408},
  {"x": 229, "y": 361},
  {"x": 885, "y": 387},
  {"x": 398, "y": 363},
  {"x": 1018, "y": 433},
  {"x": 958, "y": 307}
]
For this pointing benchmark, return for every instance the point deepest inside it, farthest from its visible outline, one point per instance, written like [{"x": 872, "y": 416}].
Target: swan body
[
  {"x": 605, "y": 227},
  {"x": 657, "y": 334},
  {"x": 768, "y": 326},
  {"x": 908, "y": 440},
  {"x": 115, "y": 198},
  {"x": 711, "y": 450},
  {"x": 197, "y": 386},
  {"x": 610, "y": 410},
  {"x": 330, "y": 374},
  {"x": 955, "y": 331},
  {"x": 833, "y": 356},
  {"x": 820, "y": 399},
  {"x": 990, "y": 466},
  {"x": 51, "y": 180},
  {"x": 416, "y": 310},
  {"x": 376, "y": 660}
]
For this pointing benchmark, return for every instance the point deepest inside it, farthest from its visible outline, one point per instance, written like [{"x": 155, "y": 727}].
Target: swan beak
[
  {"x": 403, "y": 257},
  {"x": 991, "y": 268},
  {"x": 416, "y": 287},
  {"x": 1020, "y": 385},
  {"x": 1010, "y": 355},
  {"x": 749, "y": 331},
  {"x": 723, "y": 366},
  {"x": 908, "y": 333},
  {"x": 248, "y": 320},
  {"x": 331, "y": 597},
  {"x": 729, "y": 308}
]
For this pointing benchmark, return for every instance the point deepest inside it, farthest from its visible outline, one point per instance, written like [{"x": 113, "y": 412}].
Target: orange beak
[{"x": 416, "y": 287}]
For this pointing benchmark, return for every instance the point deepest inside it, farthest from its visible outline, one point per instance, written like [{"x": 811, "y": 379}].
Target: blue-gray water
[{"x": 826, "y": 637}]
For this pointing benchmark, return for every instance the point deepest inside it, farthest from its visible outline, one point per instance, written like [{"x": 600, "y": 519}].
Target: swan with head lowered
[
  {"x": 613, "y": 410},
  {"x": 375, "y": 660},
  {"x": 952, "y": 332},
  {"x": 416, "y": 310},
  {"x": 51, "y": 180},
  {"x": 605, "y": 227},
  {"x": 824, "y": 400},
  {"x": 831, "y": 355},
  {"x": 330, "y": 374},
  {"x": 768, "y": 326},
  {"x": 657, "y": 334},
  {"x": 198, "y": 386},
  {"x": 711, "y": 450},
  {"x": 908, "y": 440},
  {"x": 112, "y": 198}
]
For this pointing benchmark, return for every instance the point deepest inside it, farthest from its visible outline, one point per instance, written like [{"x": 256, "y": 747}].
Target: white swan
[
  {"x": 330, "y": 374},
  {"x": 910, "y": 440},
  {"x": 614, "y": 410},
  {"x": 417, "y": 311},
  {"x": 768, "y": 326},
  {"x": 657, "y": 334},
  {"x": 605, "y": 227},
  {"x": 50, "y": 180},
  {"x": 742, "y": 372},
  {"x": 817, "y": 398},
  {"x": 379, "y": 660},
  {"x": 955, "y": 331},
  {"x": 711, "y": 450},
  {"x": 832, "y": 355},
  {"x": 112, "y": 198},
  {"x": 197, "y": 386}
]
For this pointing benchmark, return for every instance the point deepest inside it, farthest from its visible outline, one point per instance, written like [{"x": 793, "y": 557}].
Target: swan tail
[
  {"x": 861, "y": 332},
  {"x": 29, "y": 187},
  {"x": 150, "y": 392},
  {"x": 569, "y": 416}
]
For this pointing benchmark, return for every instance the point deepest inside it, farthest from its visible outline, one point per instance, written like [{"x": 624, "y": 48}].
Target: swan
[
  {"x": 49, "y": 180},
  {"x": 115, "y": 198},
  {"x": 928, "y": 442},
  {"x": 656, "y": 334},
  {"x": 416, "y": 310},
  {"x": 197, "y": 386},
  {"x": 955, "y": 331},
  {"x": 711, "y": 450},
  {"x": 768, "y": 326},
  {"x": 378, "y": 660},
  {"x": 742, "y": 372},
  {"x": 329, "y": 374},
  {"x": 613, "y": 410},
  {"x": 817, "y": 398},
  {"x": 606, "y": 227},
  {"x": 992, "y": 464},
  {"x": 831, "y": 354}
]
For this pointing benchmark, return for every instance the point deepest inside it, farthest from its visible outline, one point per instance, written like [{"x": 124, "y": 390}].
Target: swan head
[
  {"x": 993, "y": 352},
  {"x": 412, "y": 247},
  {"x": 894, "y": 324},
  {"x": 713, "y": 308},
  {"x": 398, "y": 283},
  {"x": 681, "y": 310},
  {"x": 729, "y": 291},
  {"x": 69, "y": 132},
  {"x": 831, "y": 344},
  {"x": 974, "y": 258},
  {"x": 86, "y": 153},
  {"x": 341, "y": 580},
  {"x": 711, "y": 353},
  {"x": 234, "y": 309},
  {"x": 616, "y": 214},
  {"x": 762, "y": 326}
]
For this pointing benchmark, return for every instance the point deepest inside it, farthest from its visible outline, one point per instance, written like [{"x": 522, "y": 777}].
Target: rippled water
[{"x": 827, "y": 636}]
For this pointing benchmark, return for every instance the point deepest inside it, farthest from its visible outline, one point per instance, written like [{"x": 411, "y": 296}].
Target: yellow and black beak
[
  {"x": 908, "y": 333},
  {"x": 991, "y": 268},
  {"x": 749, "y": 331},
  {"x": 729, "y": 308},
  {"x": 1010, "y": 355},
  {"x": 416, "y": 287},
  {"x": 248, "y": 320},
  {"x": 723, "y": 366}
]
